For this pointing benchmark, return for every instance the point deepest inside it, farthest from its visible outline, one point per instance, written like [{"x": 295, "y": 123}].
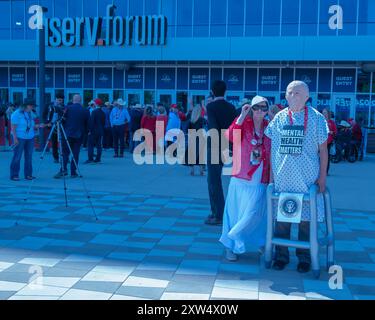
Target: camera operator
[
  {"x": 51, "y": 114},
  {"x": 75, "y": 125}
]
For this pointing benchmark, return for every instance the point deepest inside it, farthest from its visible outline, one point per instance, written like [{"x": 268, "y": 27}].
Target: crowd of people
[{"x": 262, "y": 155}]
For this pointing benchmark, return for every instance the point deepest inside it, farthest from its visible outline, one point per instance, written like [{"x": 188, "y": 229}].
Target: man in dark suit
[
  {"x": 96, "y": 132},
  {"x": 75, "y": 124},
  {"x": 220, "y": 115}
]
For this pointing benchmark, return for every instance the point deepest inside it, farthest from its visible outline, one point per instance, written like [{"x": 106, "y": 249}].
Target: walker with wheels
[{"x": 315, "y": 242}]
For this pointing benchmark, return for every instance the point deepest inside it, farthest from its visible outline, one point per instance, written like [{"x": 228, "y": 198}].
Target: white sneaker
[{"x": 230, "y": 256}]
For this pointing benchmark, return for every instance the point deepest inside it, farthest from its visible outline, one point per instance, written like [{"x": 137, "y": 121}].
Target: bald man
[
  {"x": 298, "y": 163},
  {"x": 75, "y": 125}
]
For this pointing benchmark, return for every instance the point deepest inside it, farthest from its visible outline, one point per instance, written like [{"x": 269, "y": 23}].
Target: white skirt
[{"x": 245, "y": 215}]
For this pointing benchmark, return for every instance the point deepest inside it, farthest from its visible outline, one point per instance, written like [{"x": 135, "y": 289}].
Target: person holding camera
[
  {"x": 23, "y": 126},
  {"x": 51, "y": 114}
]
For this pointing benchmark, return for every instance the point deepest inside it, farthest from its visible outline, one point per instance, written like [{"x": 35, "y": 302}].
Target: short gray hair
[{"x": 299, "y": 83}]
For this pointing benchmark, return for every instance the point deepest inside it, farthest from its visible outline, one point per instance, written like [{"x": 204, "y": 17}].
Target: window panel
[
  {"x": 90, "y": 8},
  {"x": 4, "y": 20},
  {"x": 350, "y": 17},
  {"x": 309, "y": 18},
  {"x": 75, "y": 8},
  {"x": 168, "y": 8},
  {"x": 218, "y": 18},
  {"x": 184, "y": 18},
  {"x": 102, "y": 7},
  {"x": 271, "y": 20},
  {"x": 324, "y": 17},
  {"x": 18, "y": 19},
  {"x": 290, "y": 18},
  {"x": 61, "y": 8},
  {"x": 253, "y": 20},
  {"x": 236, "y": 18},
  {"x": 136, "y": 8},
  {"x": 152, "y": 7}
]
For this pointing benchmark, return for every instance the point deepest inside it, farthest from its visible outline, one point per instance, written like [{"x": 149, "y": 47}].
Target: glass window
[
  {"x": 309, "y": 18},
  {"x": 271, "y": 20},
  {"x": 372, "y": 120},
  {"x": 61, "y": 8},
  {"x": 373, "y": 82},
  {"x": 201, "y": 18},
  {"x": 168, "y": 8},
  {"x": 325, "y": 16},
  {"x": 74, "y": 8},
  {"x": 325, "y": 80},
  {"x": 362, "y": 109},
  {"x": 90, "y": 8},
  {"x": 218, "y": 18},
  {"x": 366, "y": 18},
  {"x": 287, "y": 76},
  {"x": 4, "y": 20},
  {"x": 118, "y": 94},
  {"x": 253, "y": 20},
  {"x": 349, "y": 8},
  {"x": 363, "y": 81},
  {"x": 18, "y": 19},
  {"x": 135, "y": 8},
  {"x": 182, "y": 99},
  {"x": 184, "y": 18},
  {"x": 236, "y": 18},
  {"x": 290, "y": 18},
  {"x": 323, "y": 102},
  {"x": 149, "y": 97},
  {"x": 152, "y": 7},
  {"x": 4, "y": 96},
  {"x": 88, "y": 95}
]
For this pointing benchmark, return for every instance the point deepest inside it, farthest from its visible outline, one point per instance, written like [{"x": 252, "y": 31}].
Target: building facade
[{"x": 147, "y": 51}]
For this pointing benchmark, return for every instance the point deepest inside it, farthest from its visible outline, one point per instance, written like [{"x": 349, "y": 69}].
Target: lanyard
[
  {"x": 304, "y": 121},
  {"x": 257, "y": 140},
  {"x": 28, "y": 120}
]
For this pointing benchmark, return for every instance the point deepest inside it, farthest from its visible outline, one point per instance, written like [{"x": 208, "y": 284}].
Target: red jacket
[
  {"x": 332, "y": 131},
  {"x": 241, "y": 154},
  {"x": 149, "y": 123}
]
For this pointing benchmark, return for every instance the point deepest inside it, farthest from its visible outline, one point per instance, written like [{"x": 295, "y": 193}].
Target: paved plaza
[{"x": 150, "y": 242}]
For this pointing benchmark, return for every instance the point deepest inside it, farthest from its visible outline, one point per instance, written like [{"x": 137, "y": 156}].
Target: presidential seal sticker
[{"x": 290, "y": 207}]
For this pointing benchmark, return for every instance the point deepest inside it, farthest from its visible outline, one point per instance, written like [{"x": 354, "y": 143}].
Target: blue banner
[
  {"x": 118, "y": 79},
  {"x": 234, "y": 79},
  {"x": 308, "y": 76},
  {"x": 150, "y": 78},
  {"x": 73, "y": 78},
  {"x": 166, "y": 78},
  {"x": 269, "y": 79},
  {"x": 103, "y": 78},
  {"x": 251, "y": 79},
  {"x": 182, "y": 78},
  {"x": 134, "y": 78},
  {"x": 31, "y": 78},
  {"x": 59, "y": 78},
  {"x": 344, "y": 80},
  {"x": 4, "y": 77},
  {"x": 88, "y": 78},
  {"x": 199, "y": 79},
  {"x": 17, "y": 77}
]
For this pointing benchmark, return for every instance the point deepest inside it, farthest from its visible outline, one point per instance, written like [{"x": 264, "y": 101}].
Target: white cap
[
  {"x": 343, "y": 123},
  {"x": 121, "y": 102},
  {"x": 258, "y": 99}
]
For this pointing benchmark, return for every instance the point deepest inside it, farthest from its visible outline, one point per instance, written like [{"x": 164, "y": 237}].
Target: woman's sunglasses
[{"x": 257, "y": 107}]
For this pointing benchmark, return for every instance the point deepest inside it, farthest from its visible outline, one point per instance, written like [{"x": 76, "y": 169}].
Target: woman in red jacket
[
  {"x": 244, "y": 223},
  {"x": 332, "y": 131},
  {"x": 149, "y": 122}
]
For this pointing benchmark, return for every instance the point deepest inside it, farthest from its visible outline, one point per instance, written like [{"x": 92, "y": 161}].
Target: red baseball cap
[
  {"x": 98, "y": 102},
  {"x": 174, "y": 106}
]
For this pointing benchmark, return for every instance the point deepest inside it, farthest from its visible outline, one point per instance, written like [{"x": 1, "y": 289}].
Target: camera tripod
[{"x": 57, "y": 125}]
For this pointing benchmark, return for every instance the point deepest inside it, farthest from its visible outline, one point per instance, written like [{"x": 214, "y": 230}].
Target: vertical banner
[
  {"x": 103, "y": 78},
  {"x": 269, "y": 79},
  {"x": 166, "y": 78},
  {"x": 134, "y": 78},
  {"x": 18, "y": 77},
  {"x": 199, "y": 79},
  {"x": 73, "y": 78},
  {"x": 234, "y": 78}
]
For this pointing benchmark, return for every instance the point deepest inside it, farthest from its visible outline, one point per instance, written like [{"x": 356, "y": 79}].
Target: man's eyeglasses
[{"x": 257, "y": 107}]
